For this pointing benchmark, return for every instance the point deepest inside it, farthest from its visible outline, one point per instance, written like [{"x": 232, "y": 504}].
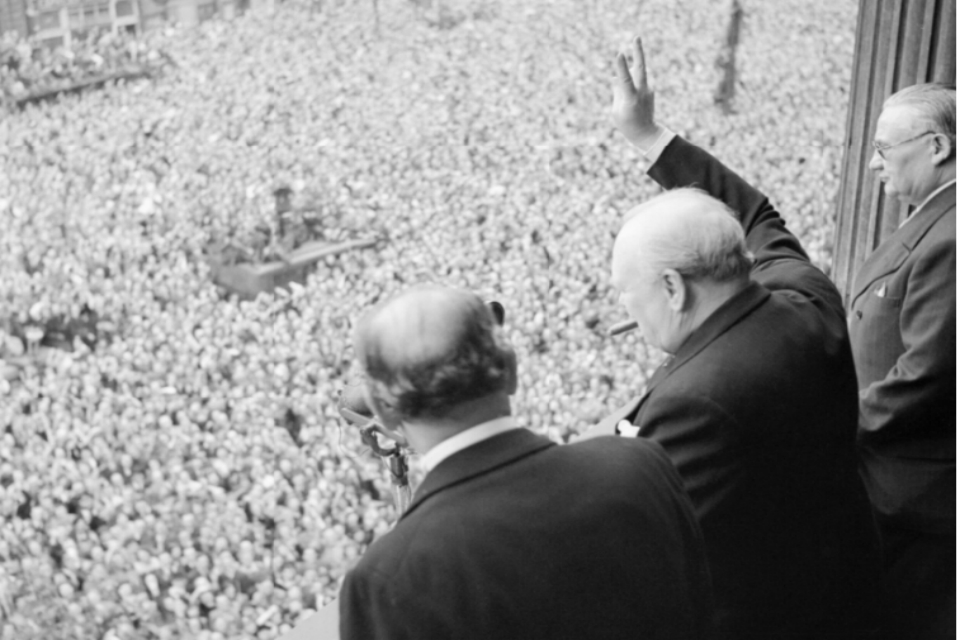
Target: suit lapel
[
  {"x": 483, "y": 457},
  {"x": 893, "y": 251},
  {"x": 886, "y": 258},
  {"x": 729, "y": 314}
]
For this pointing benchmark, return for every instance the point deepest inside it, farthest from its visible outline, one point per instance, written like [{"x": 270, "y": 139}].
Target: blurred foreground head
[
  {"x": 676, "y": 259},
  {"x": 434, "y": 354}
]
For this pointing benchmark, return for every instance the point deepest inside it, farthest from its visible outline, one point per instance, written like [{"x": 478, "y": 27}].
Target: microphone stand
[{"x": 395, "y": 457}]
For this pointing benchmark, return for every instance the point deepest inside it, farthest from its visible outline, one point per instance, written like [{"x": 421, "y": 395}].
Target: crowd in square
[{"x": 181, "y": 472}]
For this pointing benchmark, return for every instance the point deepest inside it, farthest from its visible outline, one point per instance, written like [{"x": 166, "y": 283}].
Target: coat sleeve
[
  {"x": 919, "y": 392},
  {"x": 369, "y": 610},
  {"x": 702, "y": 440},
  {"x": 781, "y": 263}
]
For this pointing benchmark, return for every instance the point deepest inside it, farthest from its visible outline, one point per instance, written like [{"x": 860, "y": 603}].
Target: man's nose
[{"x": 876, "y": 162}]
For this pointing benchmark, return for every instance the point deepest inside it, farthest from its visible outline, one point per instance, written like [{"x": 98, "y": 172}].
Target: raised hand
[{"x": 633, "y": 109}]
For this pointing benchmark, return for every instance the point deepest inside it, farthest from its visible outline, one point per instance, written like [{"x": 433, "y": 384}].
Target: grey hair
[
  {"x": 713, "y": 249},
  {"x": 935, "y": 103},
  {"x": 433, "y": 371}
]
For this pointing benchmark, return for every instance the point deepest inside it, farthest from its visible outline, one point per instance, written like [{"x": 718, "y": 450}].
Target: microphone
[
  {"x": 352, "y": 403},
  {"x": 622, "y": 327}
]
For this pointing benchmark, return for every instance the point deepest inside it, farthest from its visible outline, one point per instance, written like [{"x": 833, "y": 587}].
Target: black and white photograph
[{"x": 478, "y": 320}]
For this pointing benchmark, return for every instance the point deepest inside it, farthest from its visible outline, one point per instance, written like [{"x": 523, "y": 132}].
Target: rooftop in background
[{"x": 57, "y": 22}]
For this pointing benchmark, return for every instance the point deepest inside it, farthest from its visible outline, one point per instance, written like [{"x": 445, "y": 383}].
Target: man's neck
[
  {"x": 943, "y": 175},
  {"x": 706, "y": 298},
  {"x": 714, "y": 295},
  {"x": 426, "y": 433}
]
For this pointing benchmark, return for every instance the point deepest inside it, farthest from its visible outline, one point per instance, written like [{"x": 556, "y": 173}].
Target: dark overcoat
[
  {"x": 903, "y": 326},
  {"x": 758, "y": 411},
  {"x": 519, "y": 538}
]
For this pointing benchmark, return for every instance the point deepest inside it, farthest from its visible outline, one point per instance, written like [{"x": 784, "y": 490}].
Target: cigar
[{"x": 622, "y": 327}]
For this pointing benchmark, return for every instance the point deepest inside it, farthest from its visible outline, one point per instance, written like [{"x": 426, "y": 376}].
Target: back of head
[
  {"x": 431, "y": 349},
  {"x": 689, "y": 231},
  {"x": 934, "y": 105}
]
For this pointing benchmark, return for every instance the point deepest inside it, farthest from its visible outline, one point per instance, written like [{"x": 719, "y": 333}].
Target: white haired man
[
  {"x": 903, "y": 327},
  {"x": 757, "y": 403},
  {"x": 511, "y": 535}
]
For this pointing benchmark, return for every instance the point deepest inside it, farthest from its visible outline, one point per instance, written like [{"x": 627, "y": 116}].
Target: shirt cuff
[{"x": 652, "y": 154}]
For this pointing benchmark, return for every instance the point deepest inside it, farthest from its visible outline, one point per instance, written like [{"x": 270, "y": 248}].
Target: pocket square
[
  {"x": 882, "y": 291},
  {"x": 627, "y": 430}
]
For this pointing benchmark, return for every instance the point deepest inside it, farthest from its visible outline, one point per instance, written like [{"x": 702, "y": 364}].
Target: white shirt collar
[
  {"x": 928, "y": 199},
  {"x": 464, "y": 439}
]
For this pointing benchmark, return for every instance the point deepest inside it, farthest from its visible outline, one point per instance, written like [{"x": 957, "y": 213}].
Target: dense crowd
[
  {"x": 182, "y": 473},
  {"x": 27, "y": 68}
]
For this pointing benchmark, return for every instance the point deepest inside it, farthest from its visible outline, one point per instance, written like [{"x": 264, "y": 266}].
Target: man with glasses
[{"x": 903, "y": 331}]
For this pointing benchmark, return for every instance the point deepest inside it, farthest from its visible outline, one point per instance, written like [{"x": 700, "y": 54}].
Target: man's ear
[
  {"x": 942, "y": 150},
  {"x": 674, "y": 289}
]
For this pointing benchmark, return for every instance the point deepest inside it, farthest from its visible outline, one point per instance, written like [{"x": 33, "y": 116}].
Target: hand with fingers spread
[{"x": 633, "y": 109}]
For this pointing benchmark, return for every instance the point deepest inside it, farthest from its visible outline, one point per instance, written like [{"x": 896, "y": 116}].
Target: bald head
[
  {"x": 685, "y": 230},
  {"x": 431, "y": 349},
  {"x": 676, "y": 260}
]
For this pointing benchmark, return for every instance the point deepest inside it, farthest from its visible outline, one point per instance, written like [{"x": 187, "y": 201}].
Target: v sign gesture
[{"x": 633, "y": 100}]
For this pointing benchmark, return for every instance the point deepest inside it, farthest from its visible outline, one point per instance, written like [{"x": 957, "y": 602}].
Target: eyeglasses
[{"x": 883, "y": 148}]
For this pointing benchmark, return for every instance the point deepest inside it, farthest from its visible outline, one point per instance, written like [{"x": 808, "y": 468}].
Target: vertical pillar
[
  {"x": 899, "y": 43},
  {"x": 65, "y": 27}
]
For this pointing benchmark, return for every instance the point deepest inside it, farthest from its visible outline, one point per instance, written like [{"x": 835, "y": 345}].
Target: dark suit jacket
[
  {"x": 904, "y": 345},
  {"x": 758, "y": 411},
  {"x": 517, "y": 537}
]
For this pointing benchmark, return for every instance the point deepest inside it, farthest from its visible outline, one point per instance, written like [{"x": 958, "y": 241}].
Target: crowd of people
[
  {"x": 30, "y": 69},
  {"x": 183, "y": 472}
]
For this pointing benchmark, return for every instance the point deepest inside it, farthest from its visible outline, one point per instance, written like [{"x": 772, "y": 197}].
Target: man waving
[{"x": 757, "y": 404}]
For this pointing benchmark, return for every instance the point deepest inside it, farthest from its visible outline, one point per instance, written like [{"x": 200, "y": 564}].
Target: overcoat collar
[
  {"x": 729, "y": 314},
  {"x": 894, "y": 250},
  {"x": 478, "y": 459}
]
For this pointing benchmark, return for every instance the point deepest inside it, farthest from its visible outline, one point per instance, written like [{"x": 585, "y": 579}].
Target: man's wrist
[
  {"x": 652, "y": 142},
  {"x": 653, "y": 145},
  {"x": 647, "y": 140}
]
